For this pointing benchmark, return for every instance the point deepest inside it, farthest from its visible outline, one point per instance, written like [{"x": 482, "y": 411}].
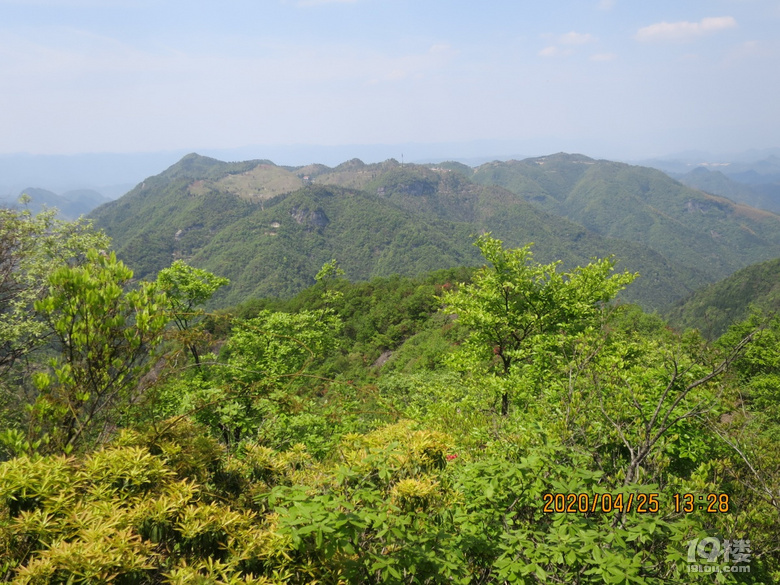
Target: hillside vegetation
[
  {"x": 691, "y": 228},
  {"x": 714, "y": 308},
  {"x": 510, "y": 423}
]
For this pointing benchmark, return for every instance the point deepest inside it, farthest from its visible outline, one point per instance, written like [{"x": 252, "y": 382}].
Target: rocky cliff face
[{"x": 314, "y": 218}]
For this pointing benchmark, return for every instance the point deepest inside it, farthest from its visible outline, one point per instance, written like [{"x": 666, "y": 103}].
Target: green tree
[
  {"x": 329, "y": 271},
  {"x": 328, "y": 274},
  {"x": 265, "y": 362},
  {"x": 104, "y": 334},
  {"x": 187, "y": 289},
  {"x": 639, "y": 403},
  {"x": 31, "y": 248},
  {"x": 515, "y": 299},
  {"x": 751, "y": 432}
]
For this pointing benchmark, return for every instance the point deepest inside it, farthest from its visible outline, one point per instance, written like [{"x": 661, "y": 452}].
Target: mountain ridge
[
  {"x": 688, "y": 226},
  {"x": 232, "y": 218},
  {"x": 713, "y": 308},
  {"x": 69, "y": 205}
]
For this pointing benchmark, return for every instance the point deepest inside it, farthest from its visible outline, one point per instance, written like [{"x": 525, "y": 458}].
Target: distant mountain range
[
  {"x": 753, "y": 165},
  {"x": 752, "y": 178},
  {"x": 114, "y": 174},
  {"x": 110, "y": 174},
  {"x": 70, "y": 205},
  {"x": 764, "y": 195},
  {"x": 697, "y": 231},
  {"x": 270, "y": 228}
]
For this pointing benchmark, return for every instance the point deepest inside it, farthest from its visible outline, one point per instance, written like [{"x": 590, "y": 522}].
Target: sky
[{"x": 608, "y": 78}]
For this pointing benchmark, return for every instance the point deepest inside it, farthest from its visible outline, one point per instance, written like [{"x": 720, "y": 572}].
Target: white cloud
[
  {"x": 72, "y": 54},
  {"x": 606, "y": 4},
  {"x": 553, "y": 51},
  {"x": 98, "y": 90},
  {"x": 71, "y": 58},
  {"x": 684, "y": 30},
  {"x": 575, "y": 38},
  {"x": 570, "y": 39}
]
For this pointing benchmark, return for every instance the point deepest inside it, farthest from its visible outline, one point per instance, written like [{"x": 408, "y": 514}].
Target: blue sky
[{"x": 608, "y": 78}]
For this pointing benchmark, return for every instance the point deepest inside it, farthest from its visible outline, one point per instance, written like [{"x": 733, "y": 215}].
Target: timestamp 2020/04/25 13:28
[{"x": 643, "y": 503}]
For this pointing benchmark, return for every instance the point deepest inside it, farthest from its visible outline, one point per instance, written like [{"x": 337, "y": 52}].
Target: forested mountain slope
[
  {"x": 269, "y": 229},
  {"x": 715, "y": 307},
  {"x": 691, "y": 228}
]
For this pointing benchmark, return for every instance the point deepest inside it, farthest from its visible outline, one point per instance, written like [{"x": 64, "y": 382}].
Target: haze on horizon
[{"x": 602, "y": 77}]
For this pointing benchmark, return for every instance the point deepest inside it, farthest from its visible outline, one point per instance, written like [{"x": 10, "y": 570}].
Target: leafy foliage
[
  {"x": 31, "y": 247},
  {"x": 105, "y": 334},
  {"x": 186, "y": 289},
  {"x": 402, "y": 430},
  {"x": 514, "y": 300}
]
